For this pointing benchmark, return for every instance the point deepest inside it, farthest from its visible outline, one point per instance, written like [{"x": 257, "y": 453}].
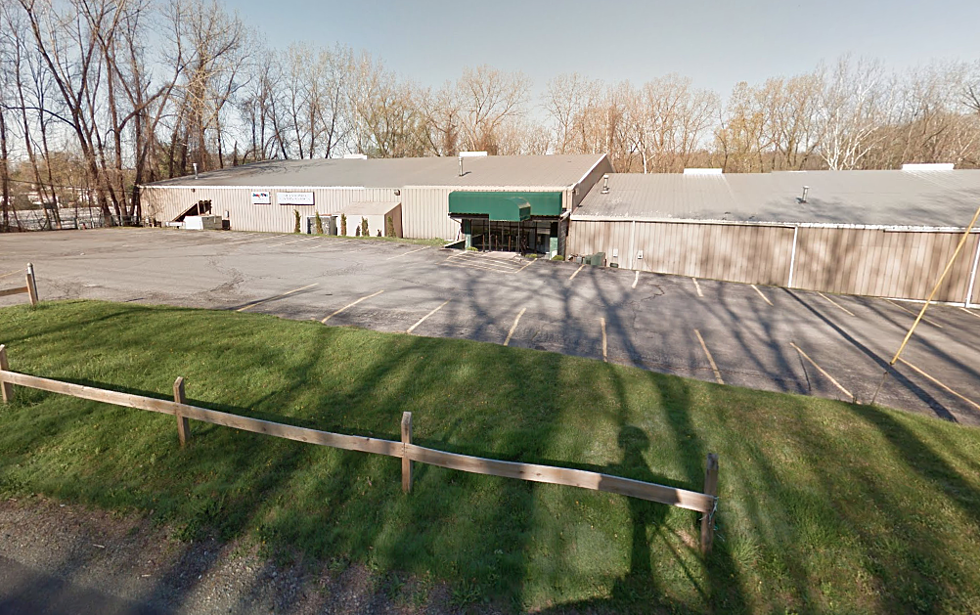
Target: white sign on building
[
  {"x": 294, "y": 198},
  {"x": 261, "y": 198}
]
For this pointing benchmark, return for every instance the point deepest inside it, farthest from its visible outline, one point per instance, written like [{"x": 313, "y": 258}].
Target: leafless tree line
[{"x": 100, "y": 96}]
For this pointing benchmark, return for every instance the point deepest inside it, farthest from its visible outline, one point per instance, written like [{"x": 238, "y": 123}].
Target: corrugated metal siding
[
  {"x": 882, "y": 263},
  {"x": 758, "y": 255},
  {"x": 165, "y": 204},
  {"x": 425, "y": 214}
]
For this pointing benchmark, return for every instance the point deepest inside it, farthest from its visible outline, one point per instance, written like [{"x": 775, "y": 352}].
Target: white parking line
[
  {"x": 825, "y": 374},
  {"x": 580, "y": 268},
  {"x": 636, "y": 279},
  {"x": 697, "y": 287},
  {"x": 971, "y": 313},
  {"x": 421, "y": 320},
  {"x": 602, "y": 322},
  {"x": 924, "y": 319},
  {"x": 285, "y": 294},
  {"x": 350, "y": 305},
  {"x": 404, "y": 253},
  {"x": 510, "y": 333},
  {"x": 711, "y": 360},
  {"x": 764, "y": 298},
  {"x": 969, "y": 401},
  {"x": 835, "y": 303}
]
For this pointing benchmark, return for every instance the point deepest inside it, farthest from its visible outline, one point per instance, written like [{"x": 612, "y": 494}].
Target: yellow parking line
[
  {"x": 513, "y": 327},
  {"x": 350, "y": 305},
  {"x": 421, "y": 320},
  {"x": 835, "y": 303},
  {"x": 711, "y": 359},
  {"x": 971, "y": 313},
  {"x": 404, "y": 253},
  {"x": 697, "y": 287},
  {"x": 969, "y": 401},
  {"x": 285, "y": 294},
  {"x": 580, "y": 268},
  {"x": 914, "y": 314},
  {"x": 636, "y": 279},
  {"x": 764, "y": 298},
  {"x": 602, "y": 322},
  {"x": 821, "y": 370}
]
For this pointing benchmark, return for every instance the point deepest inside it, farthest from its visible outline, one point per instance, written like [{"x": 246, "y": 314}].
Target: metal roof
[
  {"x": 929, "y": 199},
  {"x": 490, "y": 171}
]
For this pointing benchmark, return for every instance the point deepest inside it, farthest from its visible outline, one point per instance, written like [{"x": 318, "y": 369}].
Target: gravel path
[{"x": 62, "y": 558}]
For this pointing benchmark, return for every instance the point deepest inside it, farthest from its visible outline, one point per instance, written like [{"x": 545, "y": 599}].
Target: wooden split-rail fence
[
  {"x": 705, "y": 503},
  {"x": 30, "y": 287}
]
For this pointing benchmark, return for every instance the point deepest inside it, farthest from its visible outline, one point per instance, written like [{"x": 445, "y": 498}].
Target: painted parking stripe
[
  {"x": 970, "y": 312},
  {"x": 405, "y": 253},
  {"x": 483, "y": 266},
  {"x": 602, "y": 323},
  {"x": 421, "y": 320},
  {"x": 285, "y": 294},
  {"x": 513, "y": 327},
  {"x": 916, "y": 314},
  {"x": 835, "y": 303},
  {"x": 822, "y": 371},
  {"x": 711, "y": 359},
  {"x": 697, "y": 287},
  {"x": 946, "y": 388},
  {"x": 580, "y": 268},
  {"x": 350, "y": 305},
  {"x": 636, "y": 279},
  {"x": 764, "y": 298}
]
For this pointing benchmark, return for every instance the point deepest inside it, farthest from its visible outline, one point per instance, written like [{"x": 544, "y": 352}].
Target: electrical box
[{"x": 639, "y": 254}]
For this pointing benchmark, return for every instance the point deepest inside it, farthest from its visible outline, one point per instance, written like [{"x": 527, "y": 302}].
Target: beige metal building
[
  {"x": 517, "y": 202},
  {"x": 879, "y": 233}
]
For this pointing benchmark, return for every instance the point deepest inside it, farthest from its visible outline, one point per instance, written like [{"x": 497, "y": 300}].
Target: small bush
[
  {"x": 343, "y": 225},
  {"x": 389, "y": 227},
  {"x": 296, "y": 216},
  {"x": 471, "y": 249},
  {"x": 357, "y": 231},
  {"x": 365, "y": 231},
  {"x": 319, "y": 224},
  {"x": 557, "y": 257}
]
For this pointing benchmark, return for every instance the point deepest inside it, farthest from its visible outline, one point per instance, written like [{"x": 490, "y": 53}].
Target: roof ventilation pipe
[
  {"x": 605, "y": 183},
  {"x": 195, "y": 170},
  {"x": 806, "y": 190},
  {"x": 460, "y": 166}
]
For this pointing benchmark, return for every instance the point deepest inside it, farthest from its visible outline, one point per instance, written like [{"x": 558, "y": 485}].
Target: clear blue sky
[{"x": 717, "y": 43}]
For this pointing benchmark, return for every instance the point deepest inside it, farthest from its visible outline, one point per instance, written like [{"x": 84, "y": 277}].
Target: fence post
[
  {"x": 31, "y": 285},
  {"x": 6, "y": 387},
  {"x": 708, "y": 518},
  {"x": 406, "y": 460},
  {"x": 183, "y": 425}
]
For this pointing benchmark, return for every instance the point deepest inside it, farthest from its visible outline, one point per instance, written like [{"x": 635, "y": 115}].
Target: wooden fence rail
[
  {"x": 705, "y": 503},
  {"x": 30, "y": 287}
]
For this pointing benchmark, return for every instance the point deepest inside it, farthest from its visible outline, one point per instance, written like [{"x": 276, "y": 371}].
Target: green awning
[{"x": 505, "y": 206}]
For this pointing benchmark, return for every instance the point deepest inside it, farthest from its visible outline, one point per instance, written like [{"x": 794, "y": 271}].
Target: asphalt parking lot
[{"x": 759, "y": 337}]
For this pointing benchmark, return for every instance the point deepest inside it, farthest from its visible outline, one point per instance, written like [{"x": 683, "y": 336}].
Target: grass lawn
[{"x": 825, "y": 506}]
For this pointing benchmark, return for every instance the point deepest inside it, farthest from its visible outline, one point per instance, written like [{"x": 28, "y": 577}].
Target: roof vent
[
  {"x": 934, "y": 166},
  {"x": 806, "y": 190},
  {"x": 605, "y": 183},
  {"x": 697, "y": 171},
  {"x": 355, "y": 157},
  {"x": 195, "y": 170}
]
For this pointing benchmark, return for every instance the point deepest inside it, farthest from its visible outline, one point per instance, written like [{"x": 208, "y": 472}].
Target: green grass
[{"x": 825, "y": 507}]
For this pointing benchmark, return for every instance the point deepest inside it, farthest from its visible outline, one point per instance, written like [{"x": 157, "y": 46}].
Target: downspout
[
  {"x": 632, "y": 263},
  {"x": 973, "y": 276},
  {"x": 792, "y": 257}
]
